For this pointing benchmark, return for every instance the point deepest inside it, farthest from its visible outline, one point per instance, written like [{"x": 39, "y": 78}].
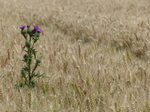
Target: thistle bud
[
  {"x": 38, "y": 61},
  {"x": 27, "y": 44},
  {"x": 25, "y": 56},
  {"x": 29, "y": 30},
  {"x": 28, "y": 26},
  {"x": 23, "y": 32}
]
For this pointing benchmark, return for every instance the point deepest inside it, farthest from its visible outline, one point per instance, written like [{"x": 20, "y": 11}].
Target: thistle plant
[{"x": 28, "y": 72}]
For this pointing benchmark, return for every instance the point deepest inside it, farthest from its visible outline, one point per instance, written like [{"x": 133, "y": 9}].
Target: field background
[{"x": 95, "y": 55}]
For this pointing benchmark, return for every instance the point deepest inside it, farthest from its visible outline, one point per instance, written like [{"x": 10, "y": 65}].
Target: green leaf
[
  {"x": 31, "y": 84},
  {"x": 27, "y": 59},
  {"x": 33, "y": 51},
  {"x": 36, "y": 37},
  {"x": 38, "y": 75},
  {"x": 24, "y": 71},
  {"x": 21, "y": 85}
]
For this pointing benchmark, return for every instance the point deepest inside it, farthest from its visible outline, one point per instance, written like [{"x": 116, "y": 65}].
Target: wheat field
[{"x": 95, "y": 55}]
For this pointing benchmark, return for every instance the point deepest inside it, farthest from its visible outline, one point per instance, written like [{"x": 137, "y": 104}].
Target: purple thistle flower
[
  {"x": 36, "y": 28},
  {"x": 22, "y": 26},
  {"x": 39, "y": 30}
]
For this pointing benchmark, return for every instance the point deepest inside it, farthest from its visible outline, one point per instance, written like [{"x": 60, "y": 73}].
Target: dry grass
[{"x": 95, "y": 54}]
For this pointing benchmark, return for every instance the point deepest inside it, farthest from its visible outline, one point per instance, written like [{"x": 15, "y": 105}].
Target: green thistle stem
[{"x": 29, "y": 64}]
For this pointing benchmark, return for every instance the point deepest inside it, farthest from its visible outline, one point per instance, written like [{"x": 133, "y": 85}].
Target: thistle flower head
[
  {"x": 22, "y": 26},
  {"x": 39, "y": 30},
  {"x": 36, "y": 28}
]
